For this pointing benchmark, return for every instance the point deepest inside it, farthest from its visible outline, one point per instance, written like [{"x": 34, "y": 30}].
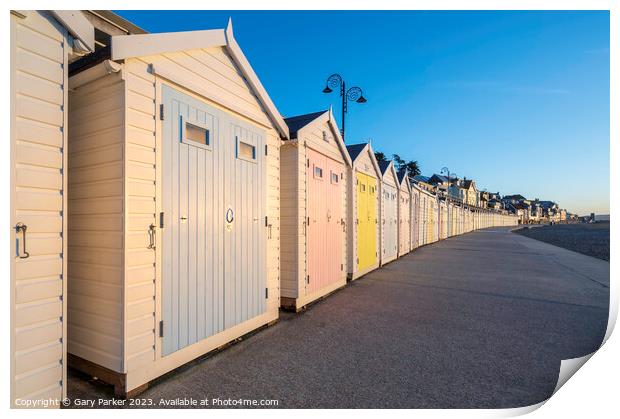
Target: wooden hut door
[
  {"x": 245, "y": 222},
  {"x": 371, "y": 226},
  {"x": 213, "y": 247},
  {"x": 335, "y": 221},
  {"x": 367, "y": 220},
  {"x": 414, "y": 221},
  {"x": 390, "y": 233},
  {"x": 404, "y": 223},
  {"x": 361, "y": 221},
  {"x": 317, "y": 174},
  {"x": 324, "y": 217}
]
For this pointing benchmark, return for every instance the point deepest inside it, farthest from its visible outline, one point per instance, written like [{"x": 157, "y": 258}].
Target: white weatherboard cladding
[
  {"x": 415, "y": 217},
  {"x": 404, "y": 218},
  {"x": 389, "y": 221},
  {"x": 39, "y": 55},
  {"x": 118, "y": 168},
  {"x": 214, "y": 233}
]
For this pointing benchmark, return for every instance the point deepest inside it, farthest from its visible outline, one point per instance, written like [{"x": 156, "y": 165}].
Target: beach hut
[
  {"x": 427, "y": 217},
  {"x": 415, "y": 215},
  {"x": 422, "y": 217},
  {"x": 363, "y": 234},
  {"x": 174, "y": 196},
  {"x": 443, "y": 219},
  {"x": 456, "y": 209},
  {"x": 436, "y": 220},
  {"x": 432, "y": 220},
  {"x": 313, "y": 209},
  {"x": 404, "y": 213},
  {"x": 43, "y": 43},
  {"x": 389, "y": 212}
]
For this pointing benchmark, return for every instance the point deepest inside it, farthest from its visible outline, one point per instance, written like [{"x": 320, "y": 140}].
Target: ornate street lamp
[{"x": 353, "y": 94}]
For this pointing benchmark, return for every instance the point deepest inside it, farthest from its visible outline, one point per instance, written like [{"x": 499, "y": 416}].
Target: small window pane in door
[
  {"x": 196, "y": 134},
  {"x": 246, "y": 151},
  {"x": 318, "y": 172}
]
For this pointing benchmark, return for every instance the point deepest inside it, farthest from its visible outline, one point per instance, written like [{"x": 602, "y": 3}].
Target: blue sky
[{"x": 518, "y": 101}]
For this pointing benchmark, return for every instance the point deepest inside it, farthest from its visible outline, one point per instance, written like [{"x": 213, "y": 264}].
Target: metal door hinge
[
  {"x": 161, "y": 112},
  {"x": 151, "y": 232},
  {"x": 266, "y": 222},
  {"x": 265, "y": 149},
  {"x": 308, "y": 279},
  {"x": 161, "y": 328},
  {"x": 266, "y": 293},
  {"x": 341, "y": 267},
  {"x": 161, "y": 220},
  {"x": 307, "y": 162}
]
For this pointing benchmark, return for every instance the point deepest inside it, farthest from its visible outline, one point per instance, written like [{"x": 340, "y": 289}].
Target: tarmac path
[{"x": 479, "y": 320}]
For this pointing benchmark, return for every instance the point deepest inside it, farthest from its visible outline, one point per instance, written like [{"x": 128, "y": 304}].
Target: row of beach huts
[{"x": 161, "y": 207}]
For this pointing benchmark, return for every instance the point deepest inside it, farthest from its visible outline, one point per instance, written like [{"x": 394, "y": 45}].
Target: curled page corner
[
  {"x": 568, "y": 368},
  {"x": 517, "y": 411}
]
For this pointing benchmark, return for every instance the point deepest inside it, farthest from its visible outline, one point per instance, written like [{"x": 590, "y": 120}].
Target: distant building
[
  {"x": 440, "y": 182},
  {"x": 495, "y": 204},
  {"x": 519, "y": 209},
  {"x": 483, "y": 199},
  {"x": 424, "y": 182},
  {"x": 514, "y": 198},
  {"x": 563, "y": 216},
  {"x": 495, "y": 195},
  {"x": 523, "y": 211},
  {"x": 536, "y": 212},
  {"x": 550, "y": 211},
  {"x": 468, "y": 191}
]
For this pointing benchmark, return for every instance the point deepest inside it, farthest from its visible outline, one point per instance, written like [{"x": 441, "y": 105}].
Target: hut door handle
[
  {"x": 22, "y": 227},
  {"x": 151, "y": 237}
]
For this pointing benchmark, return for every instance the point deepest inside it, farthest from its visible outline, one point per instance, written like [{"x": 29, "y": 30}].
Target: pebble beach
[{"x": 589, "y": 239}]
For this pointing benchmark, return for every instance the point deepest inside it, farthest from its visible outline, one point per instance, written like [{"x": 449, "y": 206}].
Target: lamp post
[
  {"x": 354, "y": 94},
  {"x": 447, "y": 172}
]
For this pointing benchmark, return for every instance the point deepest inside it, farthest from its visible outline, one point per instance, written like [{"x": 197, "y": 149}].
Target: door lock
[{"x": 230, "y": 215}]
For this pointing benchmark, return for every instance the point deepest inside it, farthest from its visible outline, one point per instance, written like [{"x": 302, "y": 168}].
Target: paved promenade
[{"x": 480, "y": 320}]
